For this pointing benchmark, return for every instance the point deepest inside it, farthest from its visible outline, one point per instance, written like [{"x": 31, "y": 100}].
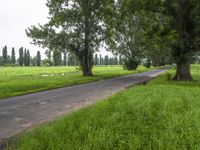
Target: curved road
[{"x": 23, "y": 112}]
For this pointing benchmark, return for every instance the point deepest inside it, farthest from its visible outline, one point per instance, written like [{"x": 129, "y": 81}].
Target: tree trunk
[
  {"x": 86, "y": 64},
  {"x": 185, "y": 29},
  {"x": 88, "y": 54},
  {"x": 183, "y": 72}
]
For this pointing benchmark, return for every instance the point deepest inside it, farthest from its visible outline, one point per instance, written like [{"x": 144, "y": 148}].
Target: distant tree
[
  {"x": 38, "y": 58},
  {"x": 5, "y": 55},
  {"x": 13, "y": 56},
  {"x": 65, "y": 58},
  {"x": 28, "y": 59},
  {"x": 9, "y": 60},
  {"x": 115, "y": 61},
  {"x": 34, "y": 61},
  {"x": 25, "y": 57},
  {"x": 106, "y": 60},
  {"x": 96, "y": 60},
  {"x": 69, "y": 63},
  {"x": 21, "y": 56},
  {"x": 1, "y": 60},
  {"x": 57, "y": 58},
  {"x": 100, "y": 61},
  {"x": 120, "y": 60},
  {"x": 48, "y": 54}
]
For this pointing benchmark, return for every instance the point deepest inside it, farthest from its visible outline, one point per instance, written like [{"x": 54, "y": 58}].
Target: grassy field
[
  {"x": 160, "y": 115},
  {"x": 21, "y": 80}
]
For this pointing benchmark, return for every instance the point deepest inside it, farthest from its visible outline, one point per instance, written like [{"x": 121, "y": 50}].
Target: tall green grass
[
  {"x": 21, "y": 80},
  {"x": 160, "y": 115}
]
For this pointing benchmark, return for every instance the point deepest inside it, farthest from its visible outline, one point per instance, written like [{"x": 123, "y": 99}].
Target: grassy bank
[
  {"x": 161, "y": 115},
  {"x": 21, "y": 80}
]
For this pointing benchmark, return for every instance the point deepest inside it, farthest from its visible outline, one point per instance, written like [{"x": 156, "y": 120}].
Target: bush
[{"x": 131, "y": 64}]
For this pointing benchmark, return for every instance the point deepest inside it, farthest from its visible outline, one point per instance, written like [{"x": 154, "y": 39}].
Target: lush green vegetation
[
  {"x": 160, "y": 115},
  {"x": 20, "y": 80}
]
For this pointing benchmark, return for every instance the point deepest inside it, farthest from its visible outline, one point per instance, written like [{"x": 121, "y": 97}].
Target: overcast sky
[{"x": 15, "y": 17}]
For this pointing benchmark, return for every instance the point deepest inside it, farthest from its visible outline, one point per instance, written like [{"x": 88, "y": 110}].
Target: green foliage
[
  {"x": 131, "y": 64},
  {"x": 65, "y": 59},
  {"x": 21, "y": 56},
  {"x": 5, "y": 55},
  {"x": 161, "y": 115},
  {"x": 27, "y": 59},
  {"x": 125, "y": 33},
  {"x": 57, "y": 58},
  {"x": 13, "y": 57},
  {"x": 80, "y": 29},
  {"x": 179, "y": 22},
  {"x": 38, "y": 58}
]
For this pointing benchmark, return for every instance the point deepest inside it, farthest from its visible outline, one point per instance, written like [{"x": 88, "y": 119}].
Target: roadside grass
[
  {"x": 160, "y": 115},
  {"x": 22, "y": 80}
]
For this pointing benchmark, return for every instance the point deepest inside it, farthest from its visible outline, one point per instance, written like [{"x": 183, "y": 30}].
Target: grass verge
[
  {"x": 22, "y": 80},
  {"x": 161, "y": 115}
]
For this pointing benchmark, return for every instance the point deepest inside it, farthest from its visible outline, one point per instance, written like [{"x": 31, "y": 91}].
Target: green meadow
[
  {"x": 162, "y": 114},
  {"x": 22, "y": 80}
]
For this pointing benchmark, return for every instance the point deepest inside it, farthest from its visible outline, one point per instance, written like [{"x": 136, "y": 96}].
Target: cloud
[{"x": 15, "y": 17}]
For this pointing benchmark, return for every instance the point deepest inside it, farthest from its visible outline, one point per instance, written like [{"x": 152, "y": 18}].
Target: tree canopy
[{"x": 158, "y": 32}]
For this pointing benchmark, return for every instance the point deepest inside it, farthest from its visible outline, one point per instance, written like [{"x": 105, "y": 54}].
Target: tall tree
[
  {"x": 57, "y": 58},
  {"x": 96, "y": 60},
  {"x": 5, "y": 55},
  {"x": 181, "y": 21},
  {"x": 48, "y": 55},
  {"x": 101, "y": 62},
  {"x": 125, "y": 34},
  {"x": 81, "y": 24},
  {"x": 106, "y": 60},
  {"x": 21, "y": 56},
  {"x": 34, "y": 61},
  {"x": 13, "y": 56},
  {"x": 38, "y": 58},
  {"x": 65, "y": 58},
  {"x": 27, "y": 58}
]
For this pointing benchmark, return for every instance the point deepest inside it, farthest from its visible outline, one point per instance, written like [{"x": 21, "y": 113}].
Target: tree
[
  {"x": 115, "y": 60},
  {"x": 101, "y": 62},
  {"x": 27, "y": 58},
  {"x": 96, "y": 60},
  {"x": 1, "y": 60},
  {"x": 125, "y": 34},
  {"x": 181, "y": 21},
  {"x": 38, "y": 58},
  {"x": 106, "y": 60},
  {"x": 57, "y": 58},
  {"x": 13, "y": 56},
  {"x": 34, "y": 61},
  {"x": 5, "y": 55},
  {"x": 48, "y": 62},
  {"x": 21, "y": 56},
  {"x": 65, "y": 58},
  {"x": 81, "y": 29}
]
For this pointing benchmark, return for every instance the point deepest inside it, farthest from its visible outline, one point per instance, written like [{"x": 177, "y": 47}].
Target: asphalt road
[{"x": 23, "y": 112}]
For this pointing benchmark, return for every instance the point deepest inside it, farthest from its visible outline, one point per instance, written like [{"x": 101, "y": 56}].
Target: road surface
[{"x": 23, "y": 112}]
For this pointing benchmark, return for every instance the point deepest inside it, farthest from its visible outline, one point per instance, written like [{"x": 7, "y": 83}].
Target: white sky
[{"x": 15, "y": 17}]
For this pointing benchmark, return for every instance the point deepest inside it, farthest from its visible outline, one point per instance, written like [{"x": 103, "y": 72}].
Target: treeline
[
  {"x": 24, "y": 58},
  {"x": 58, "y": 58},
  {"x": 55, "y": 58}
]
